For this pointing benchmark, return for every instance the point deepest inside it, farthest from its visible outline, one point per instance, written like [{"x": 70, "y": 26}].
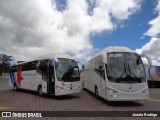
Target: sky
[{"x": 81, "y": 28}]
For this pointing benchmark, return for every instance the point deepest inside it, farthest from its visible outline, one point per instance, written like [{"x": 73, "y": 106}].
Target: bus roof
[
  {"x": 113, "y": 49},
  {"x": 48, "y": 56}
]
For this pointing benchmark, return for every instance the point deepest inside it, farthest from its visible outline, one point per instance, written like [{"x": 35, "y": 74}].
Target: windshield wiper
[
  {"x": 124, "y": 71},
  {"x": 125, "y": 68},
  {"x": 129, "y": 70}
]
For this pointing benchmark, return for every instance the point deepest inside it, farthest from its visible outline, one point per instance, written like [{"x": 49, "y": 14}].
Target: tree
[{"x": 5, "y": 63}]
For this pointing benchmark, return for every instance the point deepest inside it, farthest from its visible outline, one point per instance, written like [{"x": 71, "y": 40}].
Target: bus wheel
[
  {"x": 15, "y": 87},
  {"x": 152, "y": 85},
  {"x": 96, "y": 92},
  {"x": 39, "y": 91}
]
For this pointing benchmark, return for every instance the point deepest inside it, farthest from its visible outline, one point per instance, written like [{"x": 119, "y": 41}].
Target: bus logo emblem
[{"x": 129, "y": 89}]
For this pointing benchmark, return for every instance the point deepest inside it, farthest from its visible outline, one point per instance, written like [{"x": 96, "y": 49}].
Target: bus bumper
[
  {"x": 60, "y": 92},
  {"x": 128, "y": 96}
]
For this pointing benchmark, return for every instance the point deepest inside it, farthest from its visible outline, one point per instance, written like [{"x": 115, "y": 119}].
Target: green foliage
[{"x": 5, "y": 63}]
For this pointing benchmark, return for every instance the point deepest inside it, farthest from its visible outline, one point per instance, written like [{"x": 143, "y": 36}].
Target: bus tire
[
  {"x": 96, "y": 92},
  {"x": 39, "y": 90},
  {"x": 15, "y": 87}
]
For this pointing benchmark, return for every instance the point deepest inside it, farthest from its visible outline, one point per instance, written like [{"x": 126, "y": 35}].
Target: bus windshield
[
  {"x": 67, "y": 70},
  {"x": 124, "y": 67}
]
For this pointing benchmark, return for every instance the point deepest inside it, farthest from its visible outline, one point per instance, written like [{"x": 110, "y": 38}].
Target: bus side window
[
  {"x": 29, "y": 66},
  {"x": 51, "y": 71},
  {"x": 34, "y": 65},
  {"x": 24, "y": 67},
  {"x": 43, "y": 67},
  {"x": 38, "y": 65}
]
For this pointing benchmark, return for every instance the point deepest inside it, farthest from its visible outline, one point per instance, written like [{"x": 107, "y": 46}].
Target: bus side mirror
[
  {"x": 83, "y": 67},
  {"x": 106, "y": 66},
  {"x": 147, "y": 57},
  {"x": 100, "y": 67},
  {"x": 80, "y": 65},
  {"x": 138, "y": 62}
]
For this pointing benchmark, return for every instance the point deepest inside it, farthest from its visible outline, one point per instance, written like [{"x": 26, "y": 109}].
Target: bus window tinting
[
  {"x": 68, "y": 70},
  {"x": 25, "y": 66},
  {"x": 125, "y": 68}
]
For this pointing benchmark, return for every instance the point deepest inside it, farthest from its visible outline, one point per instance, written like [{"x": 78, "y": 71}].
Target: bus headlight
[
  {"x": 110, "y": 90},
  {"x": 59, "y": 87}
]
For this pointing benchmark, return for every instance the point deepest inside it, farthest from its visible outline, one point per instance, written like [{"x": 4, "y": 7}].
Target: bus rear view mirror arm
[{"x": 147, "y": 57}]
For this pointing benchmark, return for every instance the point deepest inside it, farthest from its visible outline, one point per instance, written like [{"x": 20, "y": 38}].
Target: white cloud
[
  {"x": 30, "y": 28},
  {"x": 152, "y": 47},
  {"x": 154, "y": 30},
  {"x": 120, "y": 9},
  {"x": 155, "y": 27},
  {"x": 158, "y": 7}
]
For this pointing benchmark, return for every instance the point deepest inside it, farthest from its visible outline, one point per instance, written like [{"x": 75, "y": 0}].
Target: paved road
[
  {"x": 4, "y": 84},
  {"x": 85, "y": 101}
]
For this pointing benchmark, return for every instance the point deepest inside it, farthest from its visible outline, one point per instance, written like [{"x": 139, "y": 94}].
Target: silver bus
[
  {"x": 56, "y": 74},
  {"x": 116, "y": 74}
]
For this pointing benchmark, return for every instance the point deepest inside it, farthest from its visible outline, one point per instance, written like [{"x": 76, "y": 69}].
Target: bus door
[
  {"x": 48, "y": 80},
  {"x": 51, "y": 76},
  {"x": 42, "y": 69}
]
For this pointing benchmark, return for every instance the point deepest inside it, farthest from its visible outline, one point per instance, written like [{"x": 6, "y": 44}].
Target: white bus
[
  {"x": 116, "y": 74},
  {"x": 56, "y": 74}
]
